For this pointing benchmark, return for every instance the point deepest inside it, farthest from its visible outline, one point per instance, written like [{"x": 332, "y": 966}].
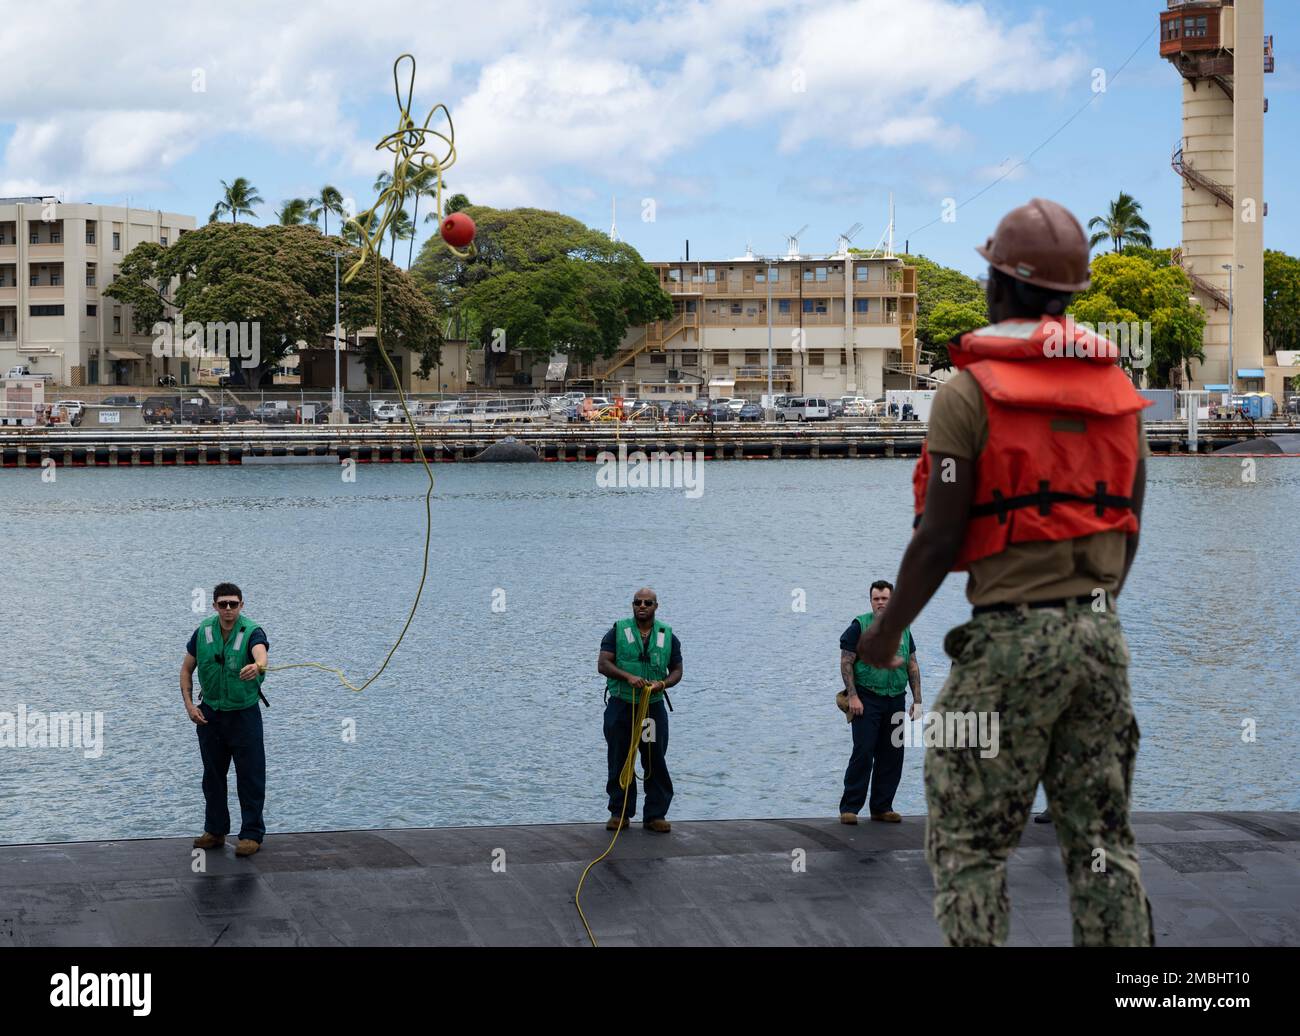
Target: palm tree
[
  {"x": 293, "y": 212},
  {"x": 453, "y": 204},
  {"x": 399, "y": 229},
  {"x": 1123, "y": 223},
  {"x": 238, "y": 196},
  {"x": 424, "y": 183},
  {"x": 329, "y": 200},
  {"x": 351, "y": 235}
]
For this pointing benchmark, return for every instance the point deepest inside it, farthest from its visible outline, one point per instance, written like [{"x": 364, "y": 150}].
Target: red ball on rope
[{"x": 457, "y": 230}]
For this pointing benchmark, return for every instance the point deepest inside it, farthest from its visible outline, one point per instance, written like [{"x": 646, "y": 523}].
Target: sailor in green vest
[
  {"x": 638, "y": 656},
  {"x": 875, "y": 700},
  {"x": 229, "y": 651}
]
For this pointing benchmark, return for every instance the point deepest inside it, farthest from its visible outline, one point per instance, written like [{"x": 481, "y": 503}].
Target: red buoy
[{"x": 457, "y": 230}]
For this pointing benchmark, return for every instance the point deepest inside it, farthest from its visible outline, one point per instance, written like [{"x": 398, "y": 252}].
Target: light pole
[
  {"x": 769, "y": 410},
  {"x": 338, "y": 390},
  {"x": 1232, "y": 320}
]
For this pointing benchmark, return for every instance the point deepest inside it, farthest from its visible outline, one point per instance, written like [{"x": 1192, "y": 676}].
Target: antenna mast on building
[
  {"x": 792, "y": 243},
  {"x": 842, "y": 247},
  {"x": 613, "y": 224}
]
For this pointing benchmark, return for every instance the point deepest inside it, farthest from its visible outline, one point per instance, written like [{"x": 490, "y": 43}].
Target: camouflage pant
[{"x": 1058, "y": 680}]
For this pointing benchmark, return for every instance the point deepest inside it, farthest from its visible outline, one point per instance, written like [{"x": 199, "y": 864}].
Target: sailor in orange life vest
[{"x": 1031, "y": 481}]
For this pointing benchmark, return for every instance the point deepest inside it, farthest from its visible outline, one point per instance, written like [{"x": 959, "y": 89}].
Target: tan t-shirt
[{"x": 1042, "y": 570}]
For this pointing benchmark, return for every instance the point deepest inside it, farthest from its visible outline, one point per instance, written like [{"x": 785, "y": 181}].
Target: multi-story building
[
  {"x": 55, "y": 259},
  {"x": 841, "y": 324},
  {"x": 1220, "y": 50}
]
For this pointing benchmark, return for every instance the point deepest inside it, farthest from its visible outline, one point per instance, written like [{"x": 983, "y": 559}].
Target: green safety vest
[
  {"x": 649, "y": 663},
  {"x": 887, "y": 682},
  {"x": 222, "y": 687}
]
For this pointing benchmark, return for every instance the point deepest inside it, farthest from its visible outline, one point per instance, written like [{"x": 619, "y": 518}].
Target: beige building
[
  {"x": 1219, "y": 48},
  {"x": 842, "y": 324},
  {"x": 55, "y": 260}
]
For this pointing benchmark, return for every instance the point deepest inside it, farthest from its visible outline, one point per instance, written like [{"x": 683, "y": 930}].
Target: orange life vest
[{"x": 1062, "y": 450}]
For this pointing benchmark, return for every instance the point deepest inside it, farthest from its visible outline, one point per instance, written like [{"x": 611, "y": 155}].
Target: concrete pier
[{"x": 1214, "y": 879}]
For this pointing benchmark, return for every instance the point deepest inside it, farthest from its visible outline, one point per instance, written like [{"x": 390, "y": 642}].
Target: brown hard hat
[{"x": 1041, "y": 244}]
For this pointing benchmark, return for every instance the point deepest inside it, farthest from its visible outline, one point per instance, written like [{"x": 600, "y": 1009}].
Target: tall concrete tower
[{"x": 1219, "y": 48}]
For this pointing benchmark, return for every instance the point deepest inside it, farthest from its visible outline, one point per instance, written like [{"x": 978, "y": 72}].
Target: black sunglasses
[
  {"x": 637, "y": 602},
  {"x": 227, "y": 604}
]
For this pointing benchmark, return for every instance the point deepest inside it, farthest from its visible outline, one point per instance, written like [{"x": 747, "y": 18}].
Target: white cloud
[{"x": 537, "y": 90}]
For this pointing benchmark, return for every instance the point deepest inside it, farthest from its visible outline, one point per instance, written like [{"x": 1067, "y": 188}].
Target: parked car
[
  {"x": 836, "y": 408},
  {"x": 68, "y": 411},
  {"x": 196, "y": 410},
  {"x": 232, "y": 413},
  {"x": 23, "y": 371},
  {"x": 387, "y": 410},
  {"x": 120, "y": 401},
  {"x": 271, "y": 413},
  {"x": 750, "y": 412},
  {"x": 721, "y": 411},
  {"x": 160, "y": 409},
  {"x": 679, "y": 412},
  {"x": 737, "y": 404},
  {"x": 805, "y": 408}
]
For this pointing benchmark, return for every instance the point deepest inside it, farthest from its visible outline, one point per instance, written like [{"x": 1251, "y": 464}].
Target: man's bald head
[{"x": 644, "y": 603}]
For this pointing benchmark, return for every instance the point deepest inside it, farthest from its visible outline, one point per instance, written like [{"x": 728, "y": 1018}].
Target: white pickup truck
[{"x": 25, "y": 372}]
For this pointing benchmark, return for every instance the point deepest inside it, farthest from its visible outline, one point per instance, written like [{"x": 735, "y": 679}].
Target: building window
[
  {"x": 735, "y": 309},
  {"x": 163, "y": 240},
  {"x": 56, "y": 277},
  {"x": 35, "y": 277},
  {"x": 90, "y": 233},
  {"x": 690, "y": 359},
  {"x": 117, "y": 325},
  {"x": 752, "y": 358},
  {"x": 117, "y": 241},
  {"x": 816, "y": 358},
  {"x": 821, "y": 273},
  {"x": 90, "y": 275},
  {"x": 783, "y": 305},
  {"x": 675, "y": 275},
  {"x": 862, "y": 273},
  {"x": 46, "y": 311},
  {"x": 56, "y": 236},
  {"x": 860, "y": 305},
  {"x": 784, "y": 357},
  {"x": 807, "y": 305},
  {"x": 92, "y": 310},
  {"x": 34, "y": 235},
  {"x": 710, "y": 276},
  {"x": 658, "y": 358}
]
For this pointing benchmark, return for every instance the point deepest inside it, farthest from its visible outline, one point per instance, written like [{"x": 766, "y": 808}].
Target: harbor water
[{"x": 490, "y": 712}]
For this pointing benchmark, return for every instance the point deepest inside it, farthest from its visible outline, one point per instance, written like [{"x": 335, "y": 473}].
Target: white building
[{"x": 55, "y": 259}]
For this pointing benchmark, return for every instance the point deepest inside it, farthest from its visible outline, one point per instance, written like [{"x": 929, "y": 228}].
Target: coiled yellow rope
[{"x": 406, "y": 143}]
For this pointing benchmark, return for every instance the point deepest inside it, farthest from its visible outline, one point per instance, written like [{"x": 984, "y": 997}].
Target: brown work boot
[
  {"x": 246, "y": 847},
  {"x": 848, "y": 818},
  {"x": 658, "y": 825},
  {"x": 207, "y": 841},
  {"x": 889, "y": 817},
  {"x": 616, "y": 823}
]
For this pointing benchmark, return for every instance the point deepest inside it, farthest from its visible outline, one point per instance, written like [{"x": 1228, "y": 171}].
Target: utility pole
[
  {"x": 338, "y": 389},
  {"x": 769, "y": 411},
  {"x": 1232, "y": 374}
]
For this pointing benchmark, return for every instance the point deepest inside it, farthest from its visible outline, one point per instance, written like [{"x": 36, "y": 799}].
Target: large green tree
[
  {"x": 1122, "y": 224},
  {"x": 539, "y": 283},
  {"x": 936, "y": 285},
  {"x": 1281, "y": 301},
  {"x": 1129, "y": 289},
  {"x": 279, "y": 277}
]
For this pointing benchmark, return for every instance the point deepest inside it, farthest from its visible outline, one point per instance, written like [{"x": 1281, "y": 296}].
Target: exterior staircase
[
  {"x": 1198, "y": 179},
  {"x": 654, "y": 337}
]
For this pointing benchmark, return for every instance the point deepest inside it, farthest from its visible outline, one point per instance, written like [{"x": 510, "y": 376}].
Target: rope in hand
[
  {"x": 625, "y": 778},
  {"x": 409, "y": 160}
]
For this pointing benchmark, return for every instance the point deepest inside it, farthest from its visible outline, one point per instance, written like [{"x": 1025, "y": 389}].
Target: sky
[{"x": 731, "y": 123}]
